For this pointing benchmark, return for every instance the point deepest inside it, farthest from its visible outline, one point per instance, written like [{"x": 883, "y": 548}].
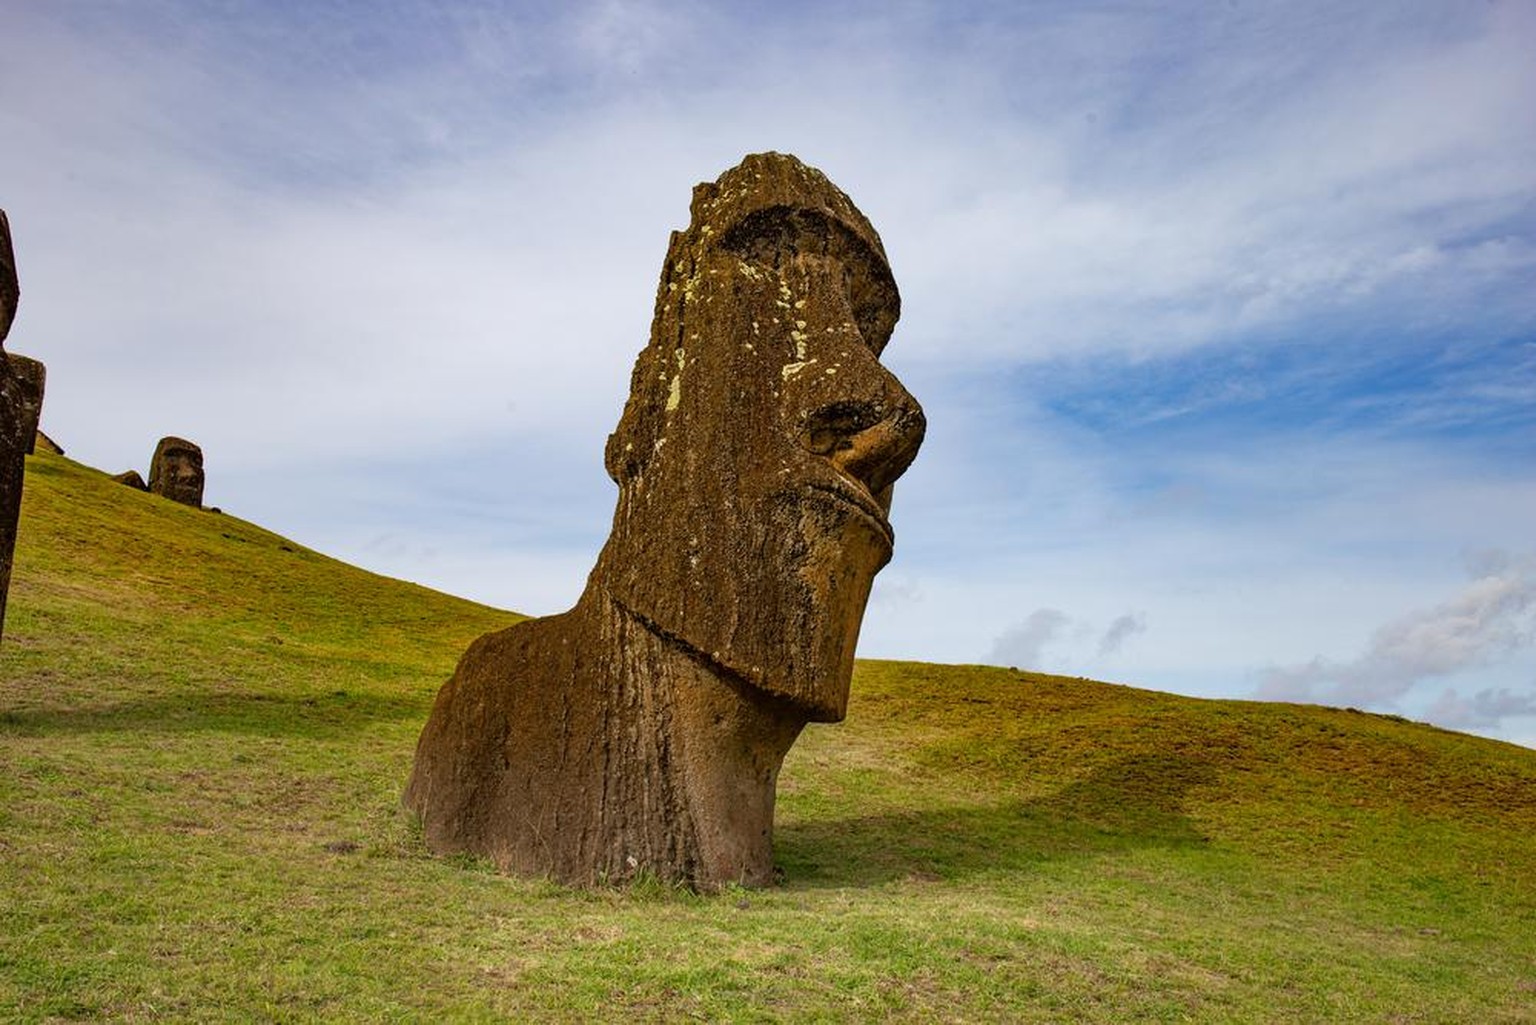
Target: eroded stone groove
[{"x": 643, "y": 731}]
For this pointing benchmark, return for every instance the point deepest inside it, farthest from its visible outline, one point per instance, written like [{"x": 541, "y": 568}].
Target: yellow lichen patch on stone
[
  {"x": 675, "y": 389},
  {"x": 791, "y": 369}
]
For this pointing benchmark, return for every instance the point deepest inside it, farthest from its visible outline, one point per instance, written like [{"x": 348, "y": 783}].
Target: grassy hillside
[{"x": 204, "y": 730}]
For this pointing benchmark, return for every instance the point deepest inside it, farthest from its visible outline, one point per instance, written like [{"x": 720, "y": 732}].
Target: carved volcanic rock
[
  {"x": 176, "y": 471},
  {"x": 31, "y": 377},
  {"x": 643, "y": 731},
  {"x": 132, "y": 479},
  {"x": 21, "y": 401}
]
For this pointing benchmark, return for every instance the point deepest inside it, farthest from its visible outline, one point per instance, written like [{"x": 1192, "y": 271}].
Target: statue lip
[{"x": 862, "y": 502}]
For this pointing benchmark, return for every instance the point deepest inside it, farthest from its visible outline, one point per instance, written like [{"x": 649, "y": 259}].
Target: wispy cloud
[
  {"x": 1021, "y": 644},
  {"x": 1493, "y": 617},
  {"x": 1484, "y": 709},
  {"x": 1122, "y": 629}
]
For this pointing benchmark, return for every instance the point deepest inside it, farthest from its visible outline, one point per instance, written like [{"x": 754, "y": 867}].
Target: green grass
[{"x": 204, "y": 730}]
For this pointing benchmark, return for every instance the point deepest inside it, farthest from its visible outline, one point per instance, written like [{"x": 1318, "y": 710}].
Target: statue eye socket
[
  {"x": 773, "y": 236},
  {"x": 824, "y": 442}
]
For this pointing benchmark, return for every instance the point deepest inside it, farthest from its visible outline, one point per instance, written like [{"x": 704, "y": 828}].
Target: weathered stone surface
[
  {"x": 21, "y": 400},
  {"x": 176, "y": 471},
  {"x": 42, "y": 443},
  {"x": 643, "y": 730},
  {"x": 33, "y": 377},
  {"x": 132, "y": 479}
]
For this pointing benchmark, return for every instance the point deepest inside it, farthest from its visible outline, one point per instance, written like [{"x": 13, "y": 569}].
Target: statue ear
[
  {"x": 614, "y": 459},
  {"x": 635, "y": 439}
]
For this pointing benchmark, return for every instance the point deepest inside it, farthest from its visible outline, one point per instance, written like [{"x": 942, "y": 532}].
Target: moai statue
[
  {"x": 643, "y": 730},
  {"x": 176, "y": 472},
  {"x": 21, "y": 402}
]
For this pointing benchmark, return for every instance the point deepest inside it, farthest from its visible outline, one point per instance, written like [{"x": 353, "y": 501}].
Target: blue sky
[{"x": 1222, "y": 314}]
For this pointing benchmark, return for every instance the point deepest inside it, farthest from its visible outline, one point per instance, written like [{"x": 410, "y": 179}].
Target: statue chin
[
  {"x": 806, "y": 645},
  {"x": 790, "y": 634}
]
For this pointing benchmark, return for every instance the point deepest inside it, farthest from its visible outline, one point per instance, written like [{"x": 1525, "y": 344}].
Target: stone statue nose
[{"x": 871, "y": 440}]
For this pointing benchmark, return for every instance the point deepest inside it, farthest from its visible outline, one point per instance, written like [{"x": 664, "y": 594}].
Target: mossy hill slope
[{"x": 204, "y": 729}]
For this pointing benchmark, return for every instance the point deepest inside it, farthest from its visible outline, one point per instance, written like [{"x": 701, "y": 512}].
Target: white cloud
[
  {"x": 1122, "y": 629},
  {"x": 1021, "y": 644},
  {"x": 628, "y": 37},
  {"x": 1492, "y": 618},
  {"x": 1484, "y": 709}
]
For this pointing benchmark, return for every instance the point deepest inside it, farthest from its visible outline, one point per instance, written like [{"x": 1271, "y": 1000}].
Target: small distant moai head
[
  {"x": 176, "y": 472},
  {"x": 756, "y": 454}
]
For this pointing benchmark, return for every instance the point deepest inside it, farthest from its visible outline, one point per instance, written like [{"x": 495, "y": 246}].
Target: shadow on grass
[
  {"x": 332, "y": 713},
  {"x": 1134, "y": 801}
]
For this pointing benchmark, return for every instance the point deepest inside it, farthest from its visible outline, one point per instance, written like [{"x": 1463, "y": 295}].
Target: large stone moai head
[
  {"x": 176, "y": 472},
  {"x": 643, "y": 731},
  {"x": 756, "y": 454},
  {"x": 21, "y": 401},
  {"x": 26, "y": 376}
]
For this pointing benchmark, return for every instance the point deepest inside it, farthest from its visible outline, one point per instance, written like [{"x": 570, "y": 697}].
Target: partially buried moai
[
  {"x": 176, "y": 471},
  {"x": 643, "y": 731},
  {"x": 21, "y": 402}
]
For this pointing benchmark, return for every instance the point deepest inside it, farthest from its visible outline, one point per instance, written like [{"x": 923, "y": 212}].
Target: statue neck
[{"x": 715, "y": 744}]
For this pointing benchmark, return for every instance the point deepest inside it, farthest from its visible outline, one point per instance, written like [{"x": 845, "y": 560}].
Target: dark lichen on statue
[{"x": 643, "y": 730}]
